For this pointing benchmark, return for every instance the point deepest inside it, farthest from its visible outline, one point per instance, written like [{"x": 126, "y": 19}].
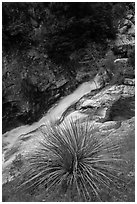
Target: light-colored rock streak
[{"x": 82, "y": 90}]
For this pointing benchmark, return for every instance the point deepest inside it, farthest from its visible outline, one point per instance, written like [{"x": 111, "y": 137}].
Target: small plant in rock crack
[{"x": 71, "y": 154}]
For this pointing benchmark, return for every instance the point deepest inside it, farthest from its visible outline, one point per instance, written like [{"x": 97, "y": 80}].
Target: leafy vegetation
[
  {"x": 120, "y": 190},
  {"x": 72, "y": 160},
  {"x": 61, "y": 26}
]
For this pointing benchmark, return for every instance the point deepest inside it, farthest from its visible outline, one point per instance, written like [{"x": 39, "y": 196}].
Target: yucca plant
[{"x": 71, "y": 156}]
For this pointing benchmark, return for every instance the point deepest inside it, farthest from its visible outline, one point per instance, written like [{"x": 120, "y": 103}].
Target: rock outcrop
[
  {"x": 126, "y": 36},
  {"x": 97, "y": 108}
]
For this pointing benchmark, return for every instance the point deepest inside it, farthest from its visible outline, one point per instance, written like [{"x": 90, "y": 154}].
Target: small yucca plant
[{"x": 71, "y": 154}]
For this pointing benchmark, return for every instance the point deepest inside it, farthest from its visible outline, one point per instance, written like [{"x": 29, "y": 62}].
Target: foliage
[
  {"x": 60, "y": 27},
  {"x": 71, "y": 158}
]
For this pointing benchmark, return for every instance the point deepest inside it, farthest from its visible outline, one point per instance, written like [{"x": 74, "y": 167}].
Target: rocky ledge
[{"x": 110, "y": 110}]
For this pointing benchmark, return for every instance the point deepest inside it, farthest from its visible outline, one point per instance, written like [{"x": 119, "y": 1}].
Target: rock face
[
  {"x": 98, "y": 107},
  {"x": 126, "y": 36}
]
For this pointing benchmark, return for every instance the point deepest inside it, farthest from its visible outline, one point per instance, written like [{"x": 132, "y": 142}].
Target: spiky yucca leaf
[{"x": 72, "y": 154}]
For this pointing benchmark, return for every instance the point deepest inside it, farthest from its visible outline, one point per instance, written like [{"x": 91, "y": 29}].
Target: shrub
[{"x": 71, "y": 158}]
